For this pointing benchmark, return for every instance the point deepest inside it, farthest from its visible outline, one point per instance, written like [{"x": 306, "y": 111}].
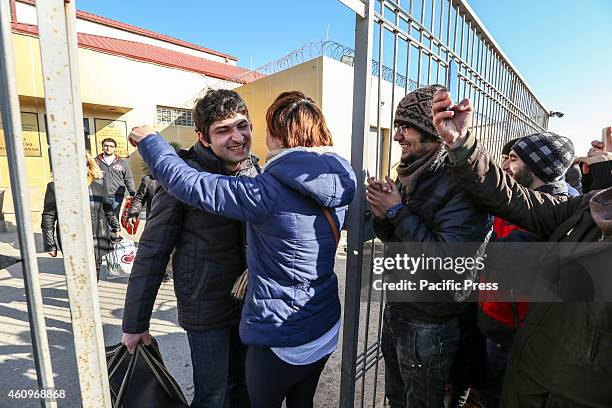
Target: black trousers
[{"x": 270, "y": 380}]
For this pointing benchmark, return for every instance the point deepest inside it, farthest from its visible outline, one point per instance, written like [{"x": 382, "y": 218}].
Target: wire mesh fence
[{"x": 416, "y": 42}]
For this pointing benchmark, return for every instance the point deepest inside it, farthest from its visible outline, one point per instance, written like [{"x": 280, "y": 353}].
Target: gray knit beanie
[
  {"x": 415, "y": 110},
  {"x": 547, "y": 154}
]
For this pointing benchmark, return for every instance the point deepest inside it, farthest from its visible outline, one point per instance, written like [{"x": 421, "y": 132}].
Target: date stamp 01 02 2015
[{"x": 48, "y": 394}]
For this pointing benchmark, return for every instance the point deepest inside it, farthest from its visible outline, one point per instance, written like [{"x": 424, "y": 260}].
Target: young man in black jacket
[
  {"x": 420, "y": 336},
  {"x": 209, "y": 255}
]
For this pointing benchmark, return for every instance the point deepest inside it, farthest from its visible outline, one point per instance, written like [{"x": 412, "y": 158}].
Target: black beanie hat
[
  {"x": 547, "y": 154},
  {"x": 508, "y": 146}
]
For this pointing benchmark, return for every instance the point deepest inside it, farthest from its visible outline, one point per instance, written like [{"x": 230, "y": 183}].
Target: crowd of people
[{"x": 214, "y": 213}]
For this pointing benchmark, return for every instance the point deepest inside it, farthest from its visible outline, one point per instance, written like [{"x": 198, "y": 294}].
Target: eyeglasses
[{"x": 400, "y": 128}]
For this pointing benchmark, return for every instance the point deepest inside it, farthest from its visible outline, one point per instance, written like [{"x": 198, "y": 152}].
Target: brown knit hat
[{"x": 415, "y": 110}]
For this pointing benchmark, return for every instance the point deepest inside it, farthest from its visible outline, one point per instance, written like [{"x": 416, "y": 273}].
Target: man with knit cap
[
  {"x": 538, "y": 162},
  {"x": 420, "y": 336}
]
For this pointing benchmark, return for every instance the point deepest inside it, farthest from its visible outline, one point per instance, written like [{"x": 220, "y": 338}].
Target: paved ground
[{"x": 16, "y": 363}]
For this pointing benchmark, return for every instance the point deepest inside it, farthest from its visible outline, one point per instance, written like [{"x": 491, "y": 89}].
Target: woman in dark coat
[{"x": 102, "y": 217}]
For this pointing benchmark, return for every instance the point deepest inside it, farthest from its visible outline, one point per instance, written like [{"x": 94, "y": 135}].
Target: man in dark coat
[
  {"x": 425, "y": 207},
  {"x": 209, "y": 255},
  {"x": 562, "y": 357}
]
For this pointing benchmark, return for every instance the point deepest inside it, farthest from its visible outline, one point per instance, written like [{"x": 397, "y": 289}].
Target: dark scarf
[
  {"x": 558, "y": 187},
  {"x": 410, "y": 171},
  {"x": 601, "y": 211}
]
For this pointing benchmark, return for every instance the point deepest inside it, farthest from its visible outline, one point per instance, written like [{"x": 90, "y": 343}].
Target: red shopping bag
[{"x": 129, "y": 224}]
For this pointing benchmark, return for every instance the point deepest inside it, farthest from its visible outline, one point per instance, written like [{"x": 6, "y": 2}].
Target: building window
[{"x": 174, "y": 116}]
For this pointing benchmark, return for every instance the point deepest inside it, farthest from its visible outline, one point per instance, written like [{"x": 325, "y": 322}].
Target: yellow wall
[
  {"x": 259, "y": 95},
  {"x": 112, "y": 87}
]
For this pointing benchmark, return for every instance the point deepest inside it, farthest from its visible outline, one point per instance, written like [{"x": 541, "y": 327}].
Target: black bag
[{"x": 141, "y": 379}]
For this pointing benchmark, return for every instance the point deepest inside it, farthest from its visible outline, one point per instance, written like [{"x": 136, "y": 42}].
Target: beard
[
  {"x": 416, "y": 154},
  {"x": 524, "y": 177}
]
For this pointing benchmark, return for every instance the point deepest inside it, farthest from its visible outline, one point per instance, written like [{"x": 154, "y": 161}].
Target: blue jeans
[
  {"x": 418, "y": 357},
  {"x": 116, "y": 202},
  {"x": 217, "y": 357}
]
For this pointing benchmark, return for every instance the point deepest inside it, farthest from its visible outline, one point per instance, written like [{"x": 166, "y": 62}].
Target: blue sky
[{"x": 563, "y": 48}]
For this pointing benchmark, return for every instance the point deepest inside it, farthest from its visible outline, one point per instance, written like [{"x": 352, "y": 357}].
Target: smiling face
[
  {"x": 518, "y": 170},
  {"x": 411, "y": 143},
  {"x": 230, "y": 139}
]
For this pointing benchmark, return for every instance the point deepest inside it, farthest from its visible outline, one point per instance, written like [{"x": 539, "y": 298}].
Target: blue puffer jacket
[{"x": 292, "y": 293}]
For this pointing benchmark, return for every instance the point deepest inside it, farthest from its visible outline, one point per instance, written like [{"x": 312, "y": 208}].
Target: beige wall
[
  {"x": 259, "y": 95},
  {"x": 330, "y": 84}
]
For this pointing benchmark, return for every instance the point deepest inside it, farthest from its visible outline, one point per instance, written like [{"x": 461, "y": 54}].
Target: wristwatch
[{"x": 392, "y": 212}]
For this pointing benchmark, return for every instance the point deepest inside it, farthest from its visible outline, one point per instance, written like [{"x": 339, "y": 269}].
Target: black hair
[{"x": 217, "y": 104}]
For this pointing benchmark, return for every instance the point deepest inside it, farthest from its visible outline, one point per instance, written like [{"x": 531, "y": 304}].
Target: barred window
[{"x": 174, "y": 116}]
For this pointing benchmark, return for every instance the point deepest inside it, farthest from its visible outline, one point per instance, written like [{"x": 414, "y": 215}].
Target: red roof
[
  {"x": 84, "y": 15},
  {"x": 150, "y": 53}
]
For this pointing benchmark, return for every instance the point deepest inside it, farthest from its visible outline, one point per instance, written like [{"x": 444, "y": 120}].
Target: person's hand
[
  {"x": 132, "y": 340},
  {"x": 378, "y": 185},
  {"x": 383, "y": 198},
  {"x": 53, "y": 253},
  {"x": 452, "y": 125},
  {"x": 599, "y": 151},
  {"x": 140, "y": 132}
]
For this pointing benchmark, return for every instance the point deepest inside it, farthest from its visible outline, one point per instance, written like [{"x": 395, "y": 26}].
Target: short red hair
[{"x": 295, "y": 120}]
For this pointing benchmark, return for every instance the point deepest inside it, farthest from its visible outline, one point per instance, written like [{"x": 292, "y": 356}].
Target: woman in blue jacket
[{"x": 291, "y": 315}]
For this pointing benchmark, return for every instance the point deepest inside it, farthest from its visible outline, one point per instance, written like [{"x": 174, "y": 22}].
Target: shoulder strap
[{"x": 332, "y": 224}]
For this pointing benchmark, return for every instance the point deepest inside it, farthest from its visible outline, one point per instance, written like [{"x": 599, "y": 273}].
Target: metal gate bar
[{"x": 11, "y": 118}]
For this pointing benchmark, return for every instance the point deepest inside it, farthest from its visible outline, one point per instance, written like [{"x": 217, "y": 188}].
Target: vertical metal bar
[
  {"x": 11, "y": 117},
  {"x": 379, "y": 132},
  {"x": 478, "y": 80},
  {"x": 408, "y": 51},
  {"x": 431, "y": 40},
  {"x": 354, "y": 258},
  {"x": 497, "y": 108},
  {"x": 58, "y": 48},
  {"x": 440, "y": 42},
  {"x": 456, "y": 29},
  {"x": 487, "y": 101}
]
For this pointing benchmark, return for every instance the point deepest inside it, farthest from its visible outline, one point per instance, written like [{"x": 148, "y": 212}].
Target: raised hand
[
  {"x": 452, "y": 124},
  {"x": 140, "y": 132},
  {"x": 601, "y": 150}
]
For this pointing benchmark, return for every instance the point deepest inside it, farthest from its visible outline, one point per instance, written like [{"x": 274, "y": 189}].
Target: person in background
[
  {"x": 573, "y": 176},
  {"x": 294, "y": 211},
  {"x": 104, "y": 224},
  {"x": 117, "y": 174},
  {"x": 144, "y": 197}
]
